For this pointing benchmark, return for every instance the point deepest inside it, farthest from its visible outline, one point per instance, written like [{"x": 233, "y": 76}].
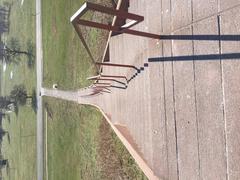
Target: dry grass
[{"x": 115, "y": 161}]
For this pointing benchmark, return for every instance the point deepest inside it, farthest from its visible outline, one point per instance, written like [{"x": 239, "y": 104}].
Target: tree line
[
  {"x": 8, "y": 104},
  {"x": 12, "y": 50},
  {"x": 4, "y": 19}
]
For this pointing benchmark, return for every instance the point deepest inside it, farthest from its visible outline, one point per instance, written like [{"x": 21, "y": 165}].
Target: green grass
[
  {"x": 72, "y": 141},
  {"x": 21, "y": 149},
  {"x": 22, "y": 27},
  {"x": 64, "y": 55},
  {"x": 75, "y": 140},
  {"x": 66, "y": 61},
  {"x": 81, "y": 145}
]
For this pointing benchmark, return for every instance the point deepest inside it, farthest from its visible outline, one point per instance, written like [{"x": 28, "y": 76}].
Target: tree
[
  {"x": 19, "y": 94},
  {"x": 5, "y": 102},
  {"x": 2, "y": 132},
  {"x": 3, "y": 162},
  {"x": 12, "y": 51},
  {"x": 4, "y": 19}
]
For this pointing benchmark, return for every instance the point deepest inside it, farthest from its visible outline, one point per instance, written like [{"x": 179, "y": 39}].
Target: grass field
[
  {"x": 20, "y": 149},
  {"x": 64, "y": 55},
  {"x": 72, "y": 141},
  {"x": 80, "y": 144}
]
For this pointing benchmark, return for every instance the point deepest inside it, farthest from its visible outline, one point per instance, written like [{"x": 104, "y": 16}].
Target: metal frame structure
[
  {"x": 118, "y": 29},
  {"x": 118, "y": 13},
  {"x": 117, "y": 65},
  {"x": 106, "y": 76},
  {"x": 135, "y": 19}
]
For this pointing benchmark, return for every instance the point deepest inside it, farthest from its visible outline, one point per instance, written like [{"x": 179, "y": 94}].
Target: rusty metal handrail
[
  {"x": 135, "y": 19},
  {"x": 78, "y": 30}
]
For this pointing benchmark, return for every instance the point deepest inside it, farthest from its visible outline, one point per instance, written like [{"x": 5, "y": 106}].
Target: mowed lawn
[
  {"x": 72, "y": 141},
  {"x": 80, "y": 144},
  {"x": 66, "y": 61},
  {"x": 20, "y": 148}
]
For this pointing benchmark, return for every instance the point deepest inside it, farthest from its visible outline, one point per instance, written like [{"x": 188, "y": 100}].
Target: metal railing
[{"x": 116, "y": 28}]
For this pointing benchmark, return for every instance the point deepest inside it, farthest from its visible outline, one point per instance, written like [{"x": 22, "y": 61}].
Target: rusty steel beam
[
  {"x": 106, "y": 76},
  {"x": 98, "y": 83},
  {"x": 117, "y": 29},
  {"x": 140, "y": 33},
  {"x": 79, "y": 33},
  {"x": 100, "y": 89},
  {"x": 112, "y": 76},
  {"x": 119, "y": 13},
  {"x": 116, "y": 65},
  {"x": 106, "y": 91},
  {"x": 98, "y": 25},
  {"x": 106, "y": 79},
  {"x": 102, "y": 86},
  {"x": 82, "y": 10},
  {"x": 77, "y": 29},
  {"x": 110, "y": 79}
]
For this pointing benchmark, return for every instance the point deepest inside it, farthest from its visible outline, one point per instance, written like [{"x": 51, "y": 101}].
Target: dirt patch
[
  {"x": 115, "y": 161},
  {"x": 109, "y": 161},
  {"x": 125, "y": 132}
]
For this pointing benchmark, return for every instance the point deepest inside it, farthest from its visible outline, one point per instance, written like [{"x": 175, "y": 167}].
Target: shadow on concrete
[
  {"x": 119, "y": 87},
  {"x": 141, "y": 69},
  {"x": 205, "y": 37},
  {"x": 196, "y": 57}
]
